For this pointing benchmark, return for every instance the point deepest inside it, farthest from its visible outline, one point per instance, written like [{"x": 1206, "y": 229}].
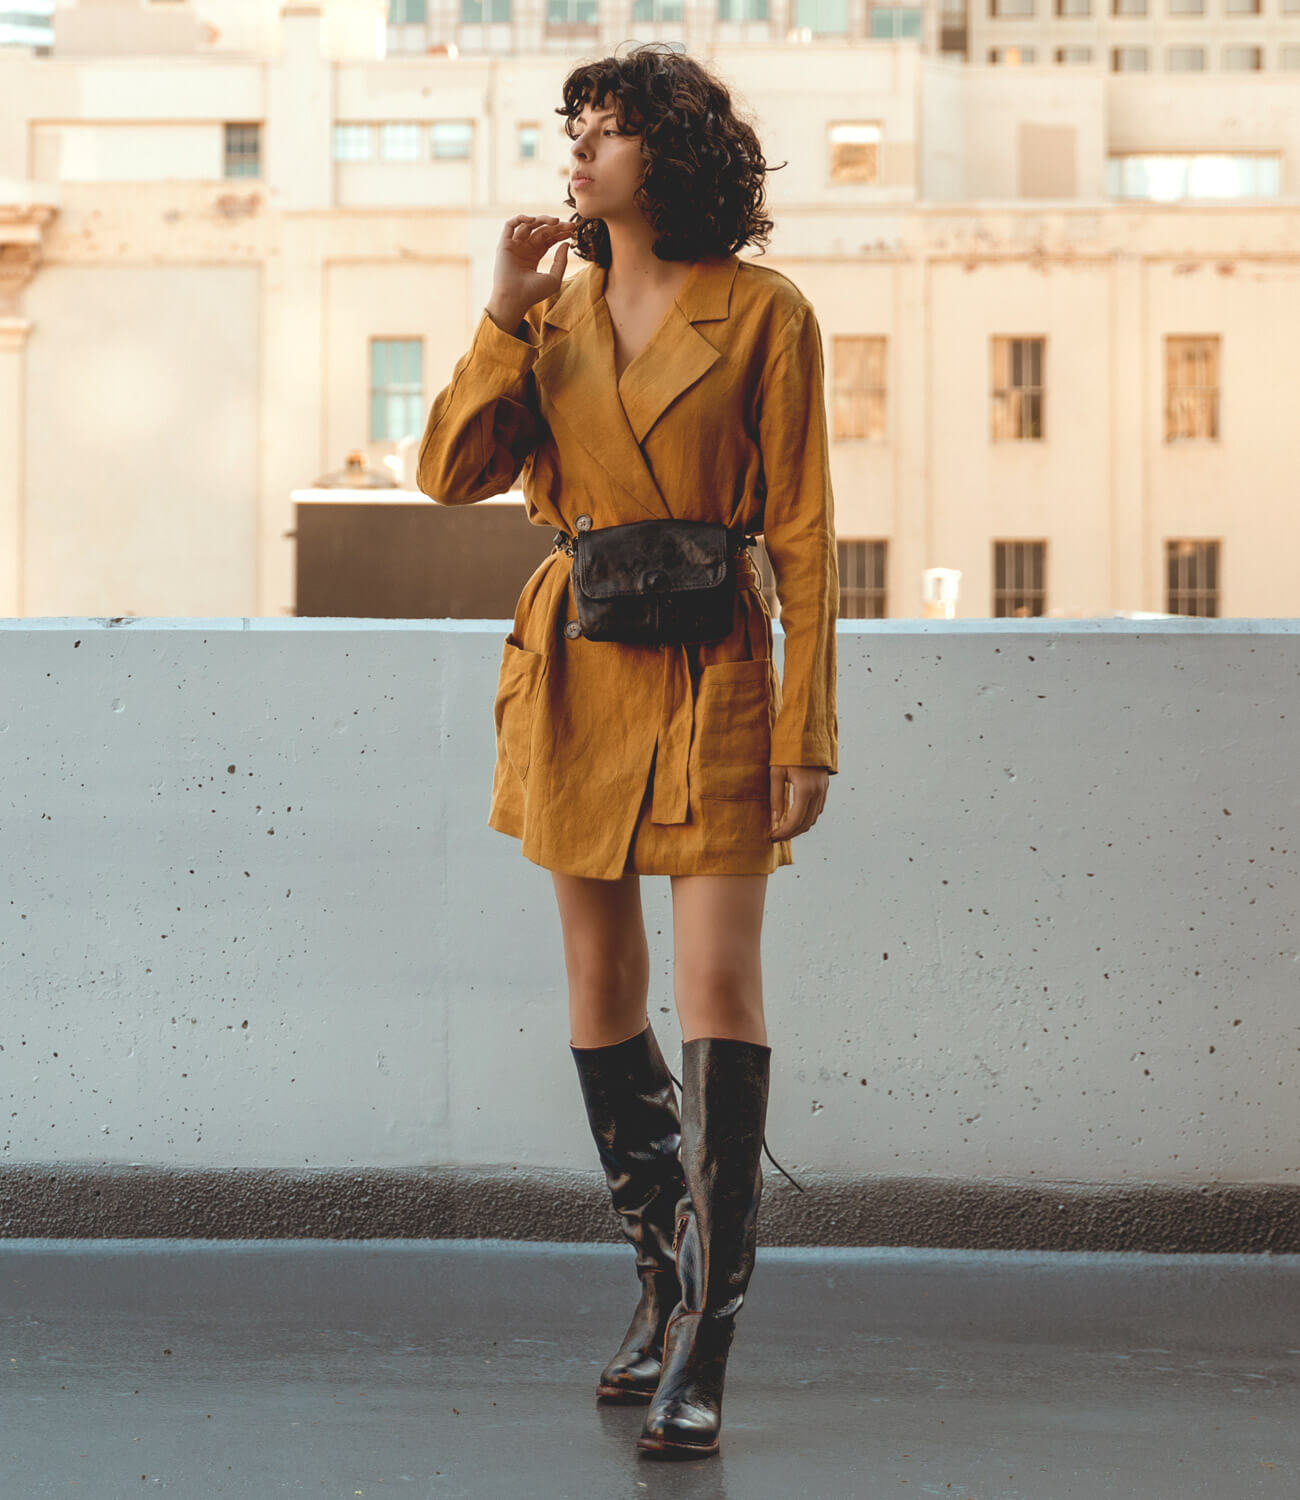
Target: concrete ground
[{"x": 465, "y": 1370}]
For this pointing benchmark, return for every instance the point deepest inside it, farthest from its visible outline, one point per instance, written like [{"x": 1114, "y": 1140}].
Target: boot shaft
[
  {"x": 724, "y": 1117},
  {"x": 636, "y": 1124}
]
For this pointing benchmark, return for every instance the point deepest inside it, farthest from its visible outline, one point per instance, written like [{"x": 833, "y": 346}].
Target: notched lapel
[
  {"x": 575, "y": 373},
  {"x": 575, "y": 378},
  {"x": 671, "y": 363}
]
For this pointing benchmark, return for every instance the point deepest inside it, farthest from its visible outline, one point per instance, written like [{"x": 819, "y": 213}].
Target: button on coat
[{"x": 612, "y": 756}]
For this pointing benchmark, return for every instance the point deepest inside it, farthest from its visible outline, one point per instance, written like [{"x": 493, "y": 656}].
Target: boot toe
[
  {"x": 630, "y": 1380},
  {"x": 675, "y": 1426}
]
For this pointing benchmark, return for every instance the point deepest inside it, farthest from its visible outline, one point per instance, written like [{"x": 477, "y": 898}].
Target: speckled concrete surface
[{"x": 464, "y": 1370}]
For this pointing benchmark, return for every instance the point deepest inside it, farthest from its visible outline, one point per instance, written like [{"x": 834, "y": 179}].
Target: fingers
[
  {"x": 801, "y": 817},
  {"x": 807, "y": 803},
  {"x": 536, "y": 229},
  {"x": 777, "y": 787}
]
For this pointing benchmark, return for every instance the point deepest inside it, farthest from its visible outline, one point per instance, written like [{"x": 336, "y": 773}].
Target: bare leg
[
  {"x": 607, "y": 957},
  {"x": 717, "y": 969}
]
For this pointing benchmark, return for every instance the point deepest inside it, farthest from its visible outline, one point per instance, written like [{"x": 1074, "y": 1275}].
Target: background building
[{"x": 1061, "y": 302}]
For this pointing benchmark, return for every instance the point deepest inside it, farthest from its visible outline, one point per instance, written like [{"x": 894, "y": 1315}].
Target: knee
[
  {"x": 720, "y": 985},
  {"x": 599, "y": 970}
]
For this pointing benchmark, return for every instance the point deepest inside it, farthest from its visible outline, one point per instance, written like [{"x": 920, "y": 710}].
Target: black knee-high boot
[
  {"x": 632, "y": 1110},
  {"x": 724, "y": 1112}
]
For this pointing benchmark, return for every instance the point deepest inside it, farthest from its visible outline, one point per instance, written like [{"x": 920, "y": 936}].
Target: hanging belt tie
[{"x": 770, "y": 1157}]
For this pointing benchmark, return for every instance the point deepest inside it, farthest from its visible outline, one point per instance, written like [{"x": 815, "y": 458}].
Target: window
[
  {"x": 861, "y": 576},
  {"x": 1128, "y": 7},
  {"x": 1192, "y": 572},
  {"x": 1186, "y": 7},
  {"x": 1011, "y": 7},
  {"x": 1019, "y": 571},
  {"x": 1012, "y": 57},
  {"x": 822, "y": 17},
  {"x": 742, "y": 10},
  {"x": 477, "y": 12},
  {"x": 399, "y": 141},
  {"x": 858, "y": 387},
  {"x": 571, "y": 12},
  {"x": 895, "y": 22},
  {"x": 855, "y": 151},
  {"x": 352, "y": 142},
  {"x": 405, "y": 12},
  {"x": 1073, "y": 7},
  {"x": 528, "y": 138},
  {"x": 1191, "y": 387},
  {"x": 396, "y": 392},
  {"x": 1289, "y": 57},
  {"x": 1241, "y": 7},
  {"x": 1017, "y": 388},
  {"x": 1243, "y": 59},
  {"x": 1128, "y": 59},
  {"x": 243, "y": 151},
  {"x": 1169, "y": 178},
  {"x": 1185, "y": 59},
  {"x": 1074, "y": 55},
  {"x": 450, "y": 139},
  {"x": 862, "y": 580},
  {"x": 656, "y": 10},
  {"x": 952, "y": 26},
  {"x": 1290, "y": 7}
]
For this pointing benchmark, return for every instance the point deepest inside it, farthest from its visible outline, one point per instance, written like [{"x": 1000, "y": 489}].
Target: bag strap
[{"x": 739, "y": 537}]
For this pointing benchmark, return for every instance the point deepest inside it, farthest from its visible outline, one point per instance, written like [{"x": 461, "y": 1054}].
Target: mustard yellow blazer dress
[{"x": 614, "y": 757}]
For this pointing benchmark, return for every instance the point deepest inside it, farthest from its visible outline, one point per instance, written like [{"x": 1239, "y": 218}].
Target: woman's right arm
[{"x": 483, "y": 425}]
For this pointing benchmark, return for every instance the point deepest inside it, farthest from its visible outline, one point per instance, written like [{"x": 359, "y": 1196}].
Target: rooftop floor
[{"x": 465, "y": 1370}]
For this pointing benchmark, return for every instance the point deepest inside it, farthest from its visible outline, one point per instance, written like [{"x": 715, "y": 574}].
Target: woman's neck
[{"x": 635, "y": 271}]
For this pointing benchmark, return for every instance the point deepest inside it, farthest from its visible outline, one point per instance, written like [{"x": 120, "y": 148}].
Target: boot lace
[{"x": 770, "y": 1157}]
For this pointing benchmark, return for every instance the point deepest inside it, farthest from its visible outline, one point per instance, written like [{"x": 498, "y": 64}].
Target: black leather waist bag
[{"x": 655, "y": 582}]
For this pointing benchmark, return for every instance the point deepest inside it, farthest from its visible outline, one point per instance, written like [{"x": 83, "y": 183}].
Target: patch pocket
[
  {"x": 512, "y": 710},
  {"x": 734, "y": 714}
]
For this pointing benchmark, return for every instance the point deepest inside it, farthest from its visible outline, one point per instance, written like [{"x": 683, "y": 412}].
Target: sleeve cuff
[
  {"x": 517, "y": 353},
  {"x": 818, "y": 759}
]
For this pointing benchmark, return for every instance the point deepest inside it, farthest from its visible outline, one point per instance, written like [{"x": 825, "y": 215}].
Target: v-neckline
[{"x": 654, "y": 337}]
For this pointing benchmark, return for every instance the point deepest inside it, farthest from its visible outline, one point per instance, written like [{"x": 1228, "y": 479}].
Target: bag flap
[{"x": 650, "y": 556}]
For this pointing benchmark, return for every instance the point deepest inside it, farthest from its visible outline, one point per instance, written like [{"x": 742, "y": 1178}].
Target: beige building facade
[
  {"x": 1060, "y": 306},
  {"x": 1143, "y": 36}
]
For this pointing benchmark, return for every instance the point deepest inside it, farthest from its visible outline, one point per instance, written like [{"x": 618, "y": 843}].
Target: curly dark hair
[{"x": 703, "y": 186}]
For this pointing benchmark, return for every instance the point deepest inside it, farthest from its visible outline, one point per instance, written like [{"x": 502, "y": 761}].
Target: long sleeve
[
  {"x": 799, "y": 535},
  {"x": 482, "y": 427}
]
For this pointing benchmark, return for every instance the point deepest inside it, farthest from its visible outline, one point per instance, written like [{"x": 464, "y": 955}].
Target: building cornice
[{"x": 24, "y": 218}]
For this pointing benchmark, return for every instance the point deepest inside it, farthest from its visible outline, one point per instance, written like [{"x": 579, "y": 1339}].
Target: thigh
[
  {"x": 602, "y": 921},
  {"x": 607, "y": 957},
  {"x": 717, "y": 960}
]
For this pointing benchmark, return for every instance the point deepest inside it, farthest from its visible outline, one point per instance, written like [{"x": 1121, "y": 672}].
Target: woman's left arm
[{"x": 799, "y": 536}]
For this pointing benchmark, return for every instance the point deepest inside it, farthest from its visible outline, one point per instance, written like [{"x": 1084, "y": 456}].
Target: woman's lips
[{"x": 581, "y": 182}]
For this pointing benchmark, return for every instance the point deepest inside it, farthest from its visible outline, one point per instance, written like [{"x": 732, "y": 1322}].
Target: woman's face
[{"x": 610, "y": 158}]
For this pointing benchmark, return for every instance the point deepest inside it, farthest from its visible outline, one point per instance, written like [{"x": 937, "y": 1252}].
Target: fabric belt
[{"x": 671, "y": 796}]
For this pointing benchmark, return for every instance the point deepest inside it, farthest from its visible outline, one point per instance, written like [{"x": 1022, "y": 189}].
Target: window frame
[{"x": 1010, "y": 404}]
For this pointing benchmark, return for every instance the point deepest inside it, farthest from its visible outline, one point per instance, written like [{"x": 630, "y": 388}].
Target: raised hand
[{"x": 517, "y": 283}]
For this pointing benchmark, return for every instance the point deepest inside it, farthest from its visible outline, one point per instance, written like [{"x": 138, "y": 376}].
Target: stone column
[{"x": 22, "y": 224}]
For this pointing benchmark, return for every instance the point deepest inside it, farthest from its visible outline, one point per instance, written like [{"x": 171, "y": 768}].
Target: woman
[{"x": 669, "y": 379}]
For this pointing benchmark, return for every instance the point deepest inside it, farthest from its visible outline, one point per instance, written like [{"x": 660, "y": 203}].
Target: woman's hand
[
  {"x": 517, "y": 283},
  {"x": 808, "y": 785}
]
